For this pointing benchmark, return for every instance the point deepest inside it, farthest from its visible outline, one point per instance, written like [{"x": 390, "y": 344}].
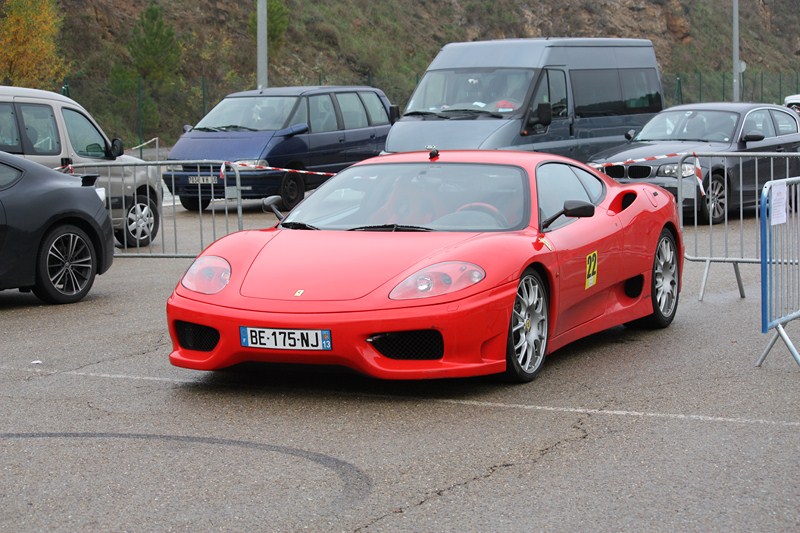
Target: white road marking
[{"x": 473, "y": 403}]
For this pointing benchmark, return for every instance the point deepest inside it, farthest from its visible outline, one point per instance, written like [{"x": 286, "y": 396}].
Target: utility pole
[
  {"x": 737, "y": 70},
  {"x": 261, "y": 45}
]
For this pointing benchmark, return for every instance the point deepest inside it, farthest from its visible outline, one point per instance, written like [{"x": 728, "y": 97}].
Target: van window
[
  {"x": 255, "y": 113},
  {"x": 9, "y": 133},
  {"x": 301, "y": 113},
  {"x": 353, "y": 112},
  {"x": 41, "y": 133},
  {"x": 641, "y": 91},
  {"x": 375, "y": 108},
  {"x": 597, "y": 92},
  {"x": 321, "y": 114},
  {"x": 552, "y": 89},
  {"x": 84, "y": 137}
]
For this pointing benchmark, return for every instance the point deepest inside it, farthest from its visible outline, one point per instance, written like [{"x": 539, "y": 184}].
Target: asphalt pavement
[{"x": 628, "y": 430}]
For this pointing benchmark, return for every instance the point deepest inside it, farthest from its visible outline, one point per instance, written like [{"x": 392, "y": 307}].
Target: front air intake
[
  {"x": 417, "y": 345},
  {"x": 196, "y": 336}
]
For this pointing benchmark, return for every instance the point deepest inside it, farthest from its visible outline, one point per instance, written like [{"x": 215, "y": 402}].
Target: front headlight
[
  {"x": 671, "y": 170},
  {"x": 208, "y": 274},
  {"x": 252, "y": 163},
  {"x": 435, "y": 280}
]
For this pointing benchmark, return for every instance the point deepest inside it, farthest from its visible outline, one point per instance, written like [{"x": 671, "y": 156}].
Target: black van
[{"x": 568, "y": 96}]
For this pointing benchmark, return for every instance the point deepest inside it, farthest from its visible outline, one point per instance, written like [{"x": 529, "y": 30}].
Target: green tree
[
  {"x": 154, "y": 47},
  {"x": 29, "y": 55},
  {"x": 277, "y": 22}
]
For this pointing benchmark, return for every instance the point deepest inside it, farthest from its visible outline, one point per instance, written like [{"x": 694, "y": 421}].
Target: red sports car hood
[{"x": 302, "y": 265}]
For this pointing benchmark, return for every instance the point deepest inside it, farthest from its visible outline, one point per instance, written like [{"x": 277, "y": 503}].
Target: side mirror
[
  {"x": 630, "y": 134},
  {"x": 270, "y": 203},
  {"x": 543, "y": 115},
  {"x": 294, "y": 129},
  {"x": 394, "y": 113},
  {"x": 187, "y": 128},
  {"x": 572, "y": 208},
  {"x": 117, "y": 149},
  {"x": 753, "y": 136}
]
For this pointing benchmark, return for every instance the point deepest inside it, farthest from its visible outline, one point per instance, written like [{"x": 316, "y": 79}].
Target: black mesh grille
[
  {"x": 615, "y": 171},
  {"x": 638, "y": 172},
  {"x": 424, "y": 344},
  {"x": 196, "y": 337}
]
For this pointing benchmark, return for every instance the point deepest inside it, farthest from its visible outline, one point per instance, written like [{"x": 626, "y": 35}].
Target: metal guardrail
[
  {"x": 727, "y": 241},
  {"x": 780, "y": 261}
]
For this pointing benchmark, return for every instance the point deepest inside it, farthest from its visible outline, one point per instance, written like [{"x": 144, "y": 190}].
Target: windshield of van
[
  {"x": 249, "y": 113},
  {"x": 690, "y": 125},
  {"x": 476, "y": 91}
]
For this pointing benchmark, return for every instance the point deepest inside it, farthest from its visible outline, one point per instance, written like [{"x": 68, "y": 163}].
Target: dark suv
[{"x": 317, "y": 130}]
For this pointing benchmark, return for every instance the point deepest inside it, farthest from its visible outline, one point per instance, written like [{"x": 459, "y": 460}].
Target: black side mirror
[
  {"x": 543, "y": 115},
  {"x": 572, "y": 208},
  {"x": 117, "y": 149},
  {"x": 753, "y": 136},
  {"x": 630, "y": 134},
  {"x": 394, "y": 113}
]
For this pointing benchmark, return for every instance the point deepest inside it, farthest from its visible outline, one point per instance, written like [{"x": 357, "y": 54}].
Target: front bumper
[{"x": 474, "y": 332}]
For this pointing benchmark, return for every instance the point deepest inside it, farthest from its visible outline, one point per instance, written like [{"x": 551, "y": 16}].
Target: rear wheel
[
  {"x": 664, "y": 284},
  {"x": 66, "y": 265},
  {"x": 141, "y": 223},
  {"x": 193, "y": 203},
  {"x": 529, "y": 329}
]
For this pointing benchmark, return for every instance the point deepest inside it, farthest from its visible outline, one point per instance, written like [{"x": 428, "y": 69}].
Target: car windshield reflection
[
  {"x": 691, "y": 125},
  {"x": 417, "y": 197}
]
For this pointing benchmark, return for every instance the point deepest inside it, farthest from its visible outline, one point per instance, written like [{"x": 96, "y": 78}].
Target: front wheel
[
  {"x": 714, "y": 204},
  {"x": 664, "y": 284},
  {"x": 141, "y": 223},
  {"x": 66, "y": 265},
  {"x": 529, "y": 329},
  {"x": 292, "y": 190},
  {"x": 194, "y": 203}
]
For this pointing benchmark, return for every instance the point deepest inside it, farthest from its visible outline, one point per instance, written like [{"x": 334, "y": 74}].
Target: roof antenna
[{"x": 434, "y": 152}]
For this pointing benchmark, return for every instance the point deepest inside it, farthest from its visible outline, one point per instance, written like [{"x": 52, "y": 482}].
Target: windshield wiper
[
  {"x": 473, "y": 112},
  {"x": 205, "y": 128},
  {"x": 297, "y": 225},
  {"x": 235, "y": 127},
  {"x": 424, "y": 114},
  {"x": 390, "y": 227}
]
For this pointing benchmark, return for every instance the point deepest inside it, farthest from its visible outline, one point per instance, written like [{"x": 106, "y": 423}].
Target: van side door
[
  {"x": 359, "y": 141},
  {"x": 325, "y": 136},
  {"x": 556, "y": 138}
]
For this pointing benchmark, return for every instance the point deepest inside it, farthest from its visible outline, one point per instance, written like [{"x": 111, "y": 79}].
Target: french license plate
[
  {"x": 202, "y": 180},
  {"x": 286, "y": 339}
]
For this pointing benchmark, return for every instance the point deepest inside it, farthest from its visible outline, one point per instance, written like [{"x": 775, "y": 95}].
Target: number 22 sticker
[{"x": 591, "y": 269}]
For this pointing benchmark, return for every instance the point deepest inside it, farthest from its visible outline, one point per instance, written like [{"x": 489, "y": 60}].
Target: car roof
[
  {"x": 302, "y": 90},
  {"x": 493, "y": 157},
  {"x": 737, "y": 107},
  {"x": 25, "y": 92}
]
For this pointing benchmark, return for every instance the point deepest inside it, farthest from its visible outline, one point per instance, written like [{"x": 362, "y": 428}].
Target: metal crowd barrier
[
  {"x": 780, "y": 261},
  {"x": 735, "y": 240}
]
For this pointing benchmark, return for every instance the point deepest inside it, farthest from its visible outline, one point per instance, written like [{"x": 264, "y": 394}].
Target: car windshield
[
  {"x": 497, "y": 91},
  {"x": 690, "y": 125},
  {"x": 417, "y": 197},
  {"x": 249, "y": 113}
]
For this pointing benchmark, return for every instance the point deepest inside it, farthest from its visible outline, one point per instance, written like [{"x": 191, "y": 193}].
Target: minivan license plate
[
  {"x": 286, "y": 339},
  {"x": 205, "y": 180}
]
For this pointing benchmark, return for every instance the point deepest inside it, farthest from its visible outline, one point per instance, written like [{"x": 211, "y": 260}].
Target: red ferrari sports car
[{"x": 431, "y": 265}]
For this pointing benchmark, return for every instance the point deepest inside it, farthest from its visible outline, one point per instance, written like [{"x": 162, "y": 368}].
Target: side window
[
  {"x": 84, "y": 137},
  {"x": 759, "y": 121},
  {"x": 785, "y": 122},
  {"x": 641, "y": 92},
  {"x": 9, "y": 132},
  {"x": 552, "y": 89},
  {"x": 353, "y": 112},
  {"x": 556, "y": 183},
  {"x": 301, "y": 113},
  {"x": 375, "y": 109},
  {"x": 8, "y": 175},
  {"x": 40, "y": 130},
  {"x": 597, "y": 92},
  {"x": 594, "y": 187},
  {"x": 321, "y": 114}
]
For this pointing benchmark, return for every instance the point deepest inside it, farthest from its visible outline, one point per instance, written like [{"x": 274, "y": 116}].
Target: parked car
[
  {"x": 55, "y": 232},
  {"x": 566, "y": 96},
  {"x": 427, "y": 265},
  {"x": 316, "y": 129},
  {"x": 708, "y": 127},
  {"x": 56, "y": 131},
  {"x": 792, "y": 101}
]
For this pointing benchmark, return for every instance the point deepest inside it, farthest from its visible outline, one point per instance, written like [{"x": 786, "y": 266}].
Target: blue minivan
[{"x": 318, "y": 130}]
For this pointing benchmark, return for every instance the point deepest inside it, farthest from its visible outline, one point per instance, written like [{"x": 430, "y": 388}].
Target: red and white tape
[{"x": 260, "y": 167}]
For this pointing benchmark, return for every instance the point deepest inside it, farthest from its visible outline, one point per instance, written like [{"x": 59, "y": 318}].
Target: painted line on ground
[{"x": 472, "y": 403}]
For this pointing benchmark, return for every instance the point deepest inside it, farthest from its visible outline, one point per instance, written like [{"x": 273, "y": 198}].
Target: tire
[
  {"x": 714, "y": 204},
  {"x": 193, "y": 203},
  {"x": 664, "y": 283},
  {"x": 292, "y": 190},
  {"x": 66, "y": 265},
  {"x": 529, "y": 329},
  {"x": 141, "y": 223}
]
